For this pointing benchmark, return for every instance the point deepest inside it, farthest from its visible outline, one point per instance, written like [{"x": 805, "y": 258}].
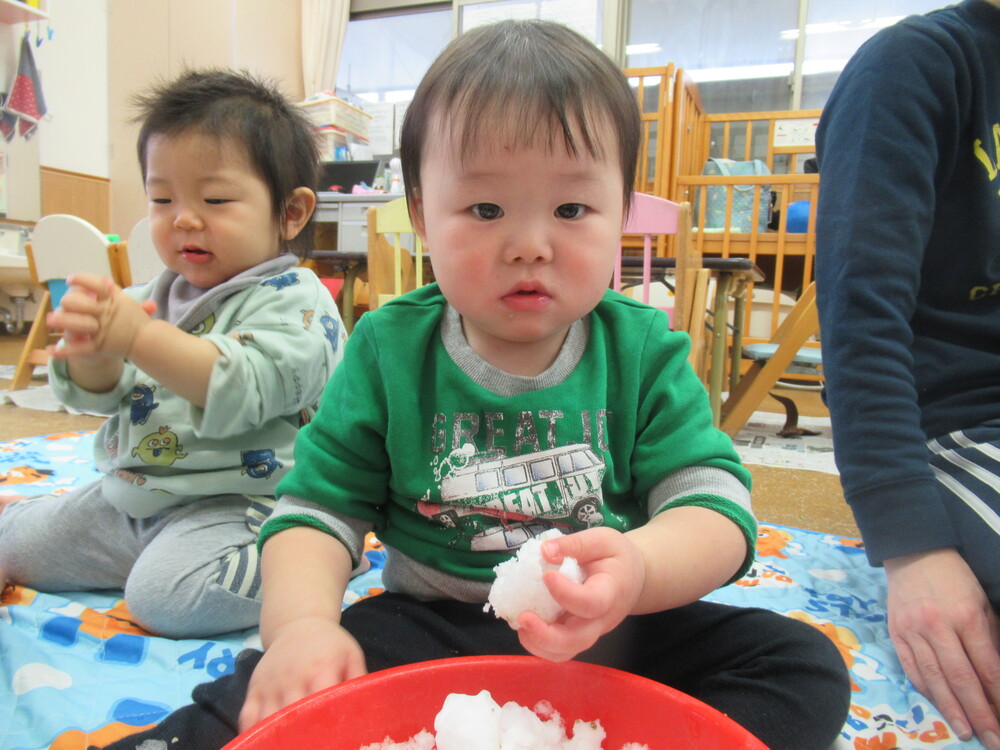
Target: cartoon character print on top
[
  {"x": 204, "y": 326},
  {"x": 260, "y": 463},
  {"x": 281, "y": 282},
  {"x": 163, "y": 447},
  {"x": 159, "y": 448},
  {"x": 142, "y": 403},
  {"x": 331, "y": 326}
]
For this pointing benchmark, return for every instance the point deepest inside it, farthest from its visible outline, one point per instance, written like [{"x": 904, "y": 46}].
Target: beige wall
[{"x": 157, "y": 40}]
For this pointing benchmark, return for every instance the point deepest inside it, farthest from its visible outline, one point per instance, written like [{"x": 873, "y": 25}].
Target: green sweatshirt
[{"x": 454, "y": 463}]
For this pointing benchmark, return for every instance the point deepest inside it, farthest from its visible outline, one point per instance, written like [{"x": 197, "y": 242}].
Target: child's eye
[
  {"x": 487, "y": 211},
  {"x": 160, "y": 201},
  {"x": 571, "y": 210},
  {"x": 216, "y": 201}
]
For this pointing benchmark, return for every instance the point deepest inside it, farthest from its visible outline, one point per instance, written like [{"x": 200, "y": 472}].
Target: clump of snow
[
  {"x": 423, "y": 740},
  {"x": 477, "y": 722},
  {"x": 519, "y": 587},
  {"x": 470, "y": 722}
]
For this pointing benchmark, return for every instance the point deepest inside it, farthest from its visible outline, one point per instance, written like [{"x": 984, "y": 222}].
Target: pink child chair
[{"x": 648, "y": 215}]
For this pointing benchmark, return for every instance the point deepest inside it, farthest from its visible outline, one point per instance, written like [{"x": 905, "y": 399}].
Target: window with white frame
[
  {"x": 746, "y": 55},
  {"x": 732, "y": 48},
  {"x": 835, "y": 30},
  {"x": 390, "y": 44},
  {"x": 386, "y": 53},
  {"x": 384, "y": 57}
]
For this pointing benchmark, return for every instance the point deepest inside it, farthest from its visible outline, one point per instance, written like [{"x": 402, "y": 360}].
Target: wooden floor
[{"x": 806, "y": 499}]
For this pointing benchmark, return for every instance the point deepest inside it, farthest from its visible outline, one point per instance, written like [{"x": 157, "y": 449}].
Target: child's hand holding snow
[
  {"x": 614, "y": 571},
  {"x": 519, "y": 585}
]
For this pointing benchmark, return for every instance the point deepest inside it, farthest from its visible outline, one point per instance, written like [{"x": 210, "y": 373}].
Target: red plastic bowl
[{"x": 400, "y": 702}]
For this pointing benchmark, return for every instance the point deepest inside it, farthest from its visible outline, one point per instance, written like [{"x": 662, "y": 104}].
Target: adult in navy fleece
[{"x": 908, "y": 272}]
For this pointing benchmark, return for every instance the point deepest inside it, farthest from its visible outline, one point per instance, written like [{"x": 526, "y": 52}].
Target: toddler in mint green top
[{"x": 207, "y": 372}]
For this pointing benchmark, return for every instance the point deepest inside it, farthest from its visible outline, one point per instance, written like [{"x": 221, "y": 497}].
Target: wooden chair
[
  {"x": 691, "y": 289},
  {"x": 770, "y": 363},
  {"x": 392, "y": 270},
  {"x": 62, "y": 245},
  {"x": 650, "y": 215}
]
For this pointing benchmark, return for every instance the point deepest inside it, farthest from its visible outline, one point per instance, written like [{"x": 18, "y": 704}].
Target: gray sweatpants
[{"x": 191, "y": 571}]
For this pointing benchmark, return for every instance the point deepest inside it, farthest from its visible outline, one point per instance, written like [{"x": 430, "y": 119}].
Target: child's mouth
[
  {"x": 195, "y": 255},
  {"x": 527, "y": 300}
]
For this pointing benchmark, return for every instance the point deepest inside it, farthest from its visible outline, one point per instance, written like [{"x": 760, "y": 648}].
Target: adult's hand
[{"x": 948, "y": 639}]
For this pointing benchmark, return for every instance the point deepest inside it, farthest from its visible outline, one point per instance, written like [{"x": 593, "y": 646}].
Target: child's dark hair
[
  {"x": 231, "y": 105},
  {"x": 530, "y": 81}
]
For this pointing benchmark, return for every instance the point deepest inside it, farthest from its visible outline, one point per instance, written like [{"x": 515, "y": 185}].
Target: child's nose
[
  {"x": 528, "y": 245},
  {"x": 187, "y": 219}
]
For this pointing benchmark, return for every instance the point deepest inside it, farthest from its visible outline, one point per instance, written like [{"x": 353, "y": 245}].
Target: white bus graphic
[{"x": 561, "y": 485}]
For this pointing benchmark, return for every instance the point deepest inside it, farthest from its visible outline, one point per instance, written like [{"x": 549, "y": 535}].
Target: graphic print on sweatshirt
[{"x": 498, "y": 502}]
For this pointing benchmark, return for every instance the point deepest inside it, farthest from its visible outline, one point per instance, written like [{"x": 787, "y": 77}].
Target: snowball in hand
[{"x": 519, "y": 587}]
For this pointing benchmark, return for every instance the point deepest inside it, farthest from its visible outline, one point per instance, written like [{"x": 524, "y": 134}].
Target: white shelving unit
[{"x": 14, "y": 11}]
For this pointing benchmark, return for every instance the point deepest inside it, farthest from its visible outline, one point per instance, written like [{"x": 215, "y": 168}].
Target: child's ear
[
  {"x": 299, "y": 207},
  {"x": 416, "y": 206}
]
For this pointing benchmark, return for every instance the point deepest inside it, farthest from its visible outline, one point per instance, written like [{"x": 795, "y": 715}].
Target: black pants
[{"x": 781, "y": 679}]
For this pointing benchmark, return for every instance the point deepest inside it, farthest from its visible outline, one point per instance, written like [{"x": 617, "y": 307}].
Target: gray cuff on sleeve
[
  {"x": 350, "y": 531},
  {"x": 698, "y": 480}
]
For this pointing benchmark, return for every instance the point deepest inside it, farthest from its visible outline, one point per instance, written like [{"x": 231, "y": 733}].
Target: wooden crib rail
[
  {"x": 781, "y": 138},
  {"x": 653, "y": 89},
  {"x": 787, "y": 258}
]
